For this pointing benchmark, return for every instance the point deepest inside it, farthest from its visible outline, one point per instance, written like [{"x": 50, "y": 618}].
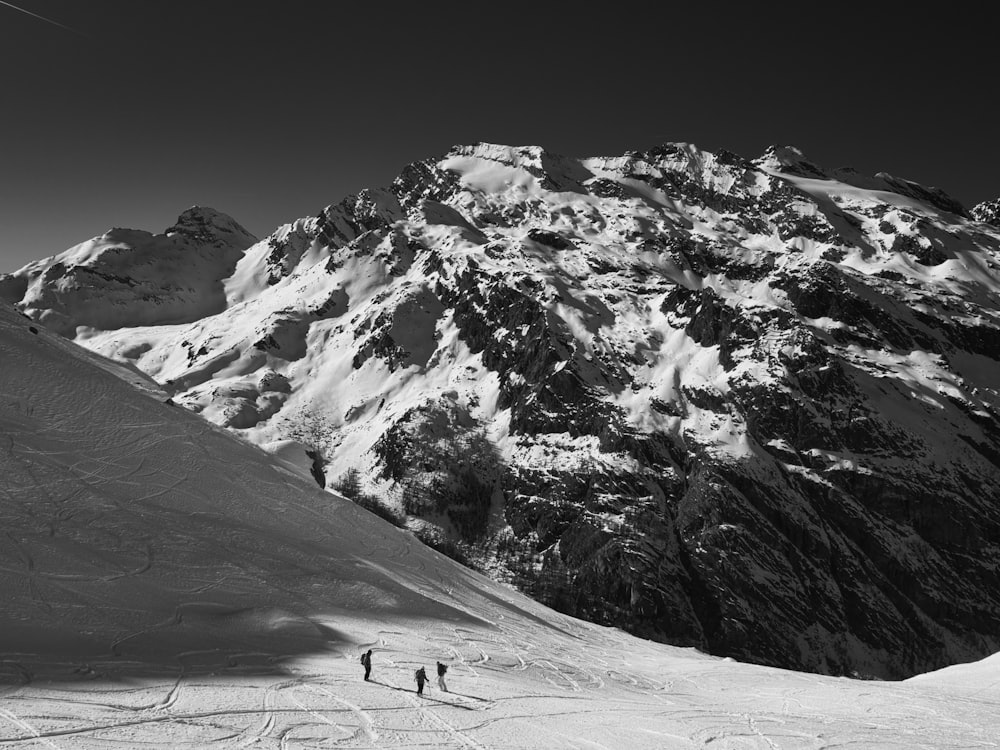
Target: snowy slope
[
  {"x": 130, "y": 277},
  {"x": 745, "y": 406},
  {"x": 167, "y": 585}
]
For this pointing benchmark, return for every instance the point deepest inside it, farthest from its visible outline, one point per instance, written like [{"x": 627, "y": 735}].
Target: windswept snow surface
[{"x": 166, "y": 585}]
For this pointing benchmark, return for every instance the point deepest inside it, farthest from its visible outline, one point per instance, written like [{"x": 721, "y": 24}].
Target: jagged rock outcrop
[
  {"x": 988, "y": 212},
  {"x": 747, "y": 406}
]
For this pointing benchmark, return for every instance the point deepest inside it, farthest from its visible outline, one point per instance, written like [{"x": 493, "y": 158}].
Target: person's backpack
[{"x": 442, "y": 668}]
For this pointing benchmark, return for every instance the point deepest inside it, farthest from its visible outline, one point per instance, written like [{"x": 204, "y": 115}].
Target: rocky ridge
[{"x": 747, "y": 406}]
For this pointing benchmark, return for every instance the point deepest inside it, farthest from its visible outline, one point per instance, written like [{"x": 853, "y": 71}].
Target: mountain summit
[
  {"x": 128, "y": 277},
  {"x": 742, "y": 405}
]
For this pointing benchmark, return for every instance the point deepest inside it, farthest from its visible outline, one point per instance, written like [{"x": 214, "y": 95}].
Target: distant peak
[
  {"x": 790, "y": 160},
  {"x": 206, "y": 224},
  {"x": 555, "y": 171},
  {"x": 669, "y": 150},
  {"x": 934, "y": 196},
  {"x": 202, "y": 213},
  {"x": 786, "y": 154},
  {"x": 515, "y": 156},
  {"x": 488, "y": 148}
]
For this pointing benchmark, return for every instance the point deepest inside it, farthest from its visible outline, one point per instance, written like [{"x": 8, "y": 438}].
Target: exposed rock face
[
  {"x": 988, "y": 212},
  {"x": 748, "y": 406}
]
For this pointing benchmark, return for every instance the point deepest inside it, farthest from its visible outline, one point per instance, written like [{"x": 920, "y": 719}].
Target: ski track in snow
[{"x": 507, "y": 692}]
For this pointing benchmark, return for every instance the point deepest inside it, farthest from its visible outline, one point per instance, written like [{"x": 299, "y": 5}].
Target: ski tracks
[
  {"x": 755, "y": 730},
  {"x": 32, "y": 732},
  {"x": 366, "y": 724},
  {"x": 432, "y": 720}
]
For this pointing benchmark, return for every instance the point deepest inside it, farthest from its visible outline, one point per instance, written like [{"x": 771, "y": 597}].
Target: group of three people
[{"x": 420, "y": 674}]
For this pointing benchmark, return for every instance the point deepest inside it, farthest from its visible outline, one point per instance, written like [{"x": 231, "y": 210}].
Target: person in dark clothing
[
  {"x": 442, "y": 668},
  {"x": 421, "y": 676},
  {"x": 366, "y": 659}
]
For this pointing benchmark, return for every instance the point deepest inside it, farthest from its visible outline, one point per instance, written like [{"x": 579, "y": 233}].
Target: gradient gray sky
[{"x": 126, "y": 112}]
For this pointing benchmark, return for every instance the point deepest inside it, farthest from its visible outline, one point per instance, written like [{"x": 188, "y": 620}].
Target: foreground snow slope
[{"x": 166, "y": 585}]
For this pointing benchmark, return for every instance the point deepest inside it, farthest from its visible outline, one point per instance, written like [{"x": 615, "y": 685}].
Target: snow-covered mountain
[
  {"x": 168, "y": 585},
  {"x": 749, "y": 406},
  {"x": 129, "y": 277}
]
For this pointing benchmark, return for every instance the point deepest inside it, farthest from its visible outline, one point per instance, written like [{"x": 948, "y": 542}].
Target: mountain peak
[
  {"x": 208, "y": 225},
  {"x": 551, "y": 171},
  {"x": 790, "y": 160},
  {"x": 505, "y": 154},
  {"x": 934, "y": 196},
  {"x": 132, "y": 277}
]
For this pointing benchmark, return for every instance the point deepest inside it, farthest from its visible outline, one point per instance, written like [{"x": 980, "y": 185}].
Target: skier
[
  {"x": 421, "y": 676},
  {"x": 442, "y": 668},
  {"x": 366, "y": 659}
]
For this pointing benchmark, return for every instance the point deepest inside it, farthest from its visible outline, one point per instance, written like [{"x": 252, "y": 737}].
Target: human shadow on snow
[{"x": 425, "y": 696}]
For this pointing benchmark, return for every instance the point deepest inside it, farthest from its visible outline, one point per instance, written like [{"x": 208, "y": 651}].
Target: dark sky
[{"x": 272, "y": 110}]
